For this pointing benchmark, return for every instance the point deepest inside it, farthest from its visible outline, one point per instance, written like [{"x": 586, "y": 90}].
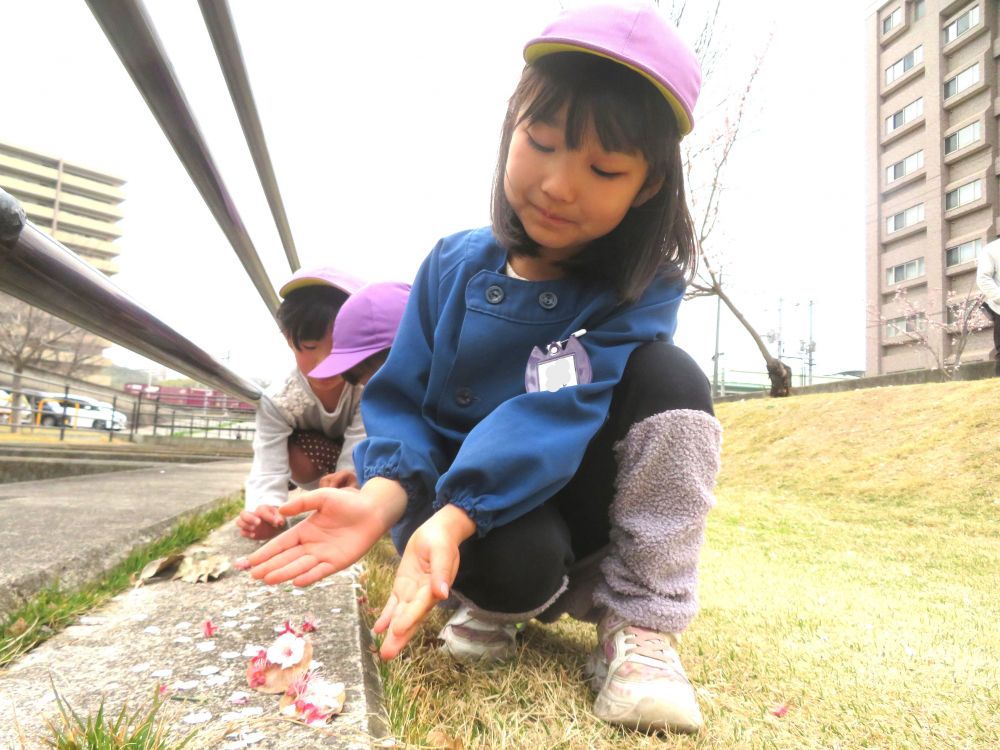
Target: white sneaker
[
  {"x": 639, "y": 680},
  {"x": 467, "y": 638}
]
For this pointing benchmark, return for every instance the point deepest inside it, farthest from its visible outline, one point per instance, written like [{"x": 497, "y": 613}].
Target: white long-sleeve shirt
[
  {"x": 988, "y": 275},
  {"x": 291, "y": 405}
]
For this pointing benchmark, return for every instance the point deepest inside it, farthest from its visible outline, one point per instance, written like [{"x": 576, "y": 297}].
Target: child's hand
[
  {"x": 343, "y": 479},
  {"x": 424, "y": 577},
  {"x": 344, "y": 527},
  {"x": 261, "y": 523}
]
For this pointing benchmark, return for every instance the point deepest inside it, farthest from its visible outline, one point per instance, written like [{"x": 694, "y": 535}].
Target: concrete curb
[{"x": 113, "y": 653}]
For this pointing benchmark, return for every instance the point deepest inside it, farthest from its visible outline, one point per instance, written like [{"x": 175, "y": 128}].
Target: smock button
[
  {"x": 494, "y": 294},
  {"x": 548, "y": 300},
  {"x": 463, "y": 396}
]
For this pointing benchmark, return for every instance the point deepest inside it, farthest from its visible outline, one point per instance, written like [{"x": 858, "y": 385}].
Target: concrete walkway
[{"x": 74, "y": 529}]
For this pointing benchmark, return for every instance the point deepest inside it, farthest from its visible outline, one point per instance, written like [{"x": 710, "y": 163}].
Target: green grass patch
[
  {"x": 850, "y": 575},
  {"x": 53, "y": 608},
  {"x": 139, "y": 729}
]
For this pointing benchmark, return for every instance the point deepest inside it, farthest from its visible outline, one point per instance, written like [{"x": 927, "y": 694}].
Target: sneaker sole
[
  {"x": 647, "y": 715},
  {"x": 461, "y": 652}
]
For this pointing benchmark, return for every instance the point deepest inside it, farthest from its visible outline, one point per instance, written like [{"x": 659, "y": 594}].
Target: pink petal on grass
[{"x": 780, "y": 711}]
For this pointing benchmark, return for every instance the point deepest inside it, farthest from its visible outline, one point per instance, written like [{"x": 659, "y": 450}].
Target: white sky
[{"x": 383, "y": 119}]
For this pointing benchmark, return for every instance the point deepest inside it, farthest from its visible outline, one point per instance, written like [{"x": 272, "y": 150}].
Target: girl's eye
[
  {"x": 538, "y": 146},
  {"x": 603, "y": 173}
]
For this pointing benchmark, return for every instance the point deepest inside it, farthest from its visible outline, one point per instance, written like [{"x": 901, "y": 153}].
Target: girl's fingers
[
  {"x": 294, "y": 568},
  {"x": 392, "y": 645},
  {"x": 307, "y": 501},
  {"x": 408, "y": 616},
  {"x": 281, "y": 543},
  {"x": 386, "y": 616},
  {"x": 443, "y": 570},
  {"x": 322, "y": 570},
  {"x": 271, "y": 564}
]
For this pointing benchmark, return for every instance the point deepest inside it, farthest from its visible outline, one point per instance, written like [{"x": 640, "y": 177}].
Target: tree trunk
[
  {"x": 778, "y": 372},
  {"x": 15, "y": 400}
]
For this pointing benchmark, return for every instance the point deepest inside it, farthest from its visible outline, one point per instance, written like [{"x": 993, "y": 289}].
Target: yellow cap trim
[{"x": 542, "y": 49}]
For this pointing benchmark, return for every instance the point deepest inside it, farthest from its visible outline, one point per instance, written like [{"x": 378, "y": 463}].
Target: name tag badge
[{"x": 560, "y": 364}]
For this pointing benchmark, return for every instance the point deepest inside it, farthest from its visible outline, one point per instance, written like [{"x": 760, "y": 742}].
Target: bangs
[{"x": 627, "y": 112}]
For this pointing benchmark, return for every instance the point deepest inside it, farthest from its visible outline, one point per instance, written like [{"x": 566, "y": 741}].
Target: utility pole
[
  {"x": 715, "y": 358},
  {"x": 812, "y": 344}
]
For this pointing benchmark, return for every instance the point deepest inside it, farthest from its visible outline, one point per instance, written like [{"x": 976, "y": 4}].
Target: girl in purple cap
[{"x": 536, "y": 443}]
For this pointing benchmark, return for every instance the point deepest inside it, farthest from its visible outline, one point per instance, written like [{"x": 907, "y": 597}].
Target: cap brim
[
  {"x": 339, "y": 362},
  {"x": 535, "y": 50},
  {"x": 291, "y": 286}
]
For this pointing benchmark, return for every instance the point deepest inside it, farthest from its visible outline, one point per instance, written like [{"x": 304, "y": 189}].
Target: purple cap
[
  {"x": 638, "y": 37},
  {"x": 365, "y": 325},
  {"x": 324, "y": 276}
]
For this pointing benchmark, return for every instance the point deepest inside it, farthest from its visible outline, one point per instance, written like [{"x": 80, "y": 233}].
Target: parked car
[{"x": 55, "y": 409}]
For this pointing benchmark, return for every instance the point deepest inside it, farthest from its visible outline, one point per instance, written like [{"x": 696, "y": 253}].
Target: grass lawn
[{"x": 850, "y": 594}]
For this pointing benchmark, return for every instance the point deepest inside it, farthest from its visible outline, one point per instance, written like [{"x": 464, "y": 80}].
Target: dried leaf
[
  {"x": 312, "y": 700},
  {"x": 156, "y": 567},
  {"x": 443, "y": 741},
  {"x": 201, "y": 567}
]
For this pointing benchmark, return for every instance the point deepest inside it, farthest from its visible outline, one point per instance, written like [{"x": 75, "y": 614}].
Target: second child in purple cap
[
  {"x": 536, "y": 443},
  {"x": 365, "y": 328},
  {"x": 306, "y": 426}
]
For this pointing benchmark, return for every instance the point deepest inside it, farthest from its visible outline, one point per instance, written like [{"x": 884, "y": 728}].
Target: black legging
[{"x": 520, "y": 566}]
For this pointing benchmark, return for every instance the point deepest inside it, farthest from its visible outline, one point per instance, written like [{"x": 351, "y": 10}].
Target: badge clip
[{"x": 561, "y": 364}]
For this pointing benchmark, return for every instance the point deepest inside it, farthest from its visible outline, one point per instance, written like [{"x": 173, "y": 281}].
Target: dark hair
[
  {"x": 368, "y": 366},
  {"x": 307, "y": 313},
  {"x": 629, "y": 115}
]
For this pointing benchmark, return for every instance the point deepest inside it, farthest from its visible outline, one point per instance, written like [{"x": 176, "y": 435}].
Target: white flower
[{"x": 286, "y": 650}]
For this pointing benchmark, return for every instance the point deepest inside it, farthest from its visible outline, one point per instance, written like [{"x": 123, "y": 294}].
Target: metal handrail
[
  {"x": 42, "y": 272},
  {"x": 131, "y": 33},
  {"x": 219, "y": 22}
]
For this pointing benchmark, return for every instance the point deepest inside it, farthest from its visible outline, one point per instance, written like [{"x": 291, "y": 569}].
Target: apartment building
[
  {"x": 933, "y": 167},
  {"x": 79, "y": 207}
]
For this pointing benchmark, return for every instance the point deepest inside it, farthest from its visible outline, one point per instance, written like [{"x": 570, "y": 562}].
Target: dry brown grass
[{"x": 851, "y": 573}]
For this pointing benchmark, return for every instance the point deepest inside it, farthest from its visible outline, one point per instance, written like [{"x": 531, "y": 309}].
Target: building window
[
  {"x": 960, "y": 25},
  {"x": 919, "y": 8},
  {"x": 962, "y": 138},
  {"x": 892, "y": 20},
  {"x": 970, "y": 191},
  {"x": 903, "y": 219},
  {"x": 905, "y": 271},
  {"x": 908, "y": 324},
  {"x": 910, "y": 112},
  {"x": 909, "y": 60},
  {"x": 964, "y": 80},
  {"x": 906, "y": 166},
  {"x": 963, "y": 253}
]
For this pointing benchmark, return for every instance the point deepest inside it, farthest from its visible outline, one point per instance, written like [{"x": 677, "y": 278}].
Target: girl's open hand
[
  {"x": 423, "y": 578},
  {"x": 343, "y": 527}
]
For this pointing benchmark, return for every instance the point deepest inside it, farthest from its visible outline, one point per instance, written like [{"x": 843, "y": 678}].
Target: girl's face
[
  {"x": 567, "y": 198},
  {"x": 310, "y": 354}
]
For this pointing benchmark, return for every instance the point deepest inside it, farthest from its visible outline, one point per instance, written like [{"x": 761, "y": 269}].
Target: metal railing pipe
[
  {"x": 219, "y": 21},
  {"x": 130, "y": 31},
  {"x": 37, "y": 269}
]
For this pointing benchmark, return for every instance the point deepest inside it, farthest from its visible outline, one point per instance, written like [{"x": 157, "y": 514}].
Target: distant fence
[
  {"x": 87, "y": 412},
  {"x": 970, "y": 371}
]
